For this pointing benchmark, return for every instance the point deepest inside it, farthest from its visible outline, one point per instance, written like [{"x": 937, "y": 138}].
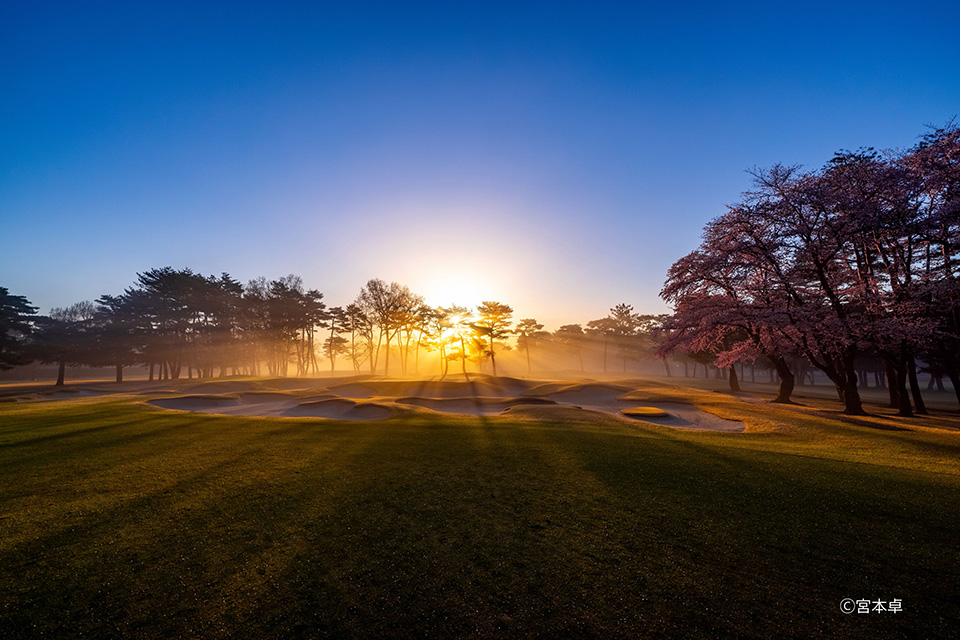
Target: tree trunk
[
  {"x": 406, "y": 352},
  {"x": 892, "y": 390},
  {"x": 734, "y": 381},
  {"x": 787, "y": 381},
  {"x": 915, "y": 386},
  {"x": 853, "y": 406},
  {"x": 666, "y": 366},
  {"x": 605, "y": 341},
  {"x": 374, "y": 355},
  {"x": 416, "y": 355},
  {"x": 386, "y": 355},
  {"x": 954, "y": 376},
  {"x": 848, "y": 387},
  {"x": 61, "y": 370},
  {"x": 353, "y": 351},
  {"x": 119, "y": 371},
  {"x": 904, "y": 407}
]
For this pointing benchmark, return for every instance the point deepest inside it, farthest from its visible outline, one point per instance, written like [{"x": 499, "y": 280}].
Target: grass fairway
[{"x": 118, "y": 519}]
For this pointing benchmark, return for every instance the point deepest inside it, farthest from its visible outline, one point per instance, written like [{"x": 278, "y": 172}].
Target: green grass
[{"x": 121, "y": 520}]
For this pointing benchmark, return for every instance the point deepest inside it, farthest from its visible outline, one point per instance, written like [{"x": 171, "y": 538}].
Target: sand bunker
[
  {"x": 365, "y": 397},
  {"x": 381, "y": 399},
  {"x": 275, "y": 405},
  {"x": 480, "y": 387},
  {"x": 615, "y": 398},
  {"x": 644, "y": 412},
  {"x": 687, "y": 416},
  {"x": 591, "y": 393},
  {"x": 340, "y": 409},
  {"x": 473, "y": 405}
]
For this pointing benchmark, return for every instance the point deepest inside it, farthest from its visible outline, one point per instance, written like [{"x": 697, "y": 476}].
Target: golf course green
[{"x": 124, "y": 519}]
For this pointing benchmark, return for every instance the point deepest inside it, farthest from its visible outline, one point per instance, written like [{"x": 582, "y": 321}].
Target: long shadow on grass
[
  {"x": 157, "y": 565},
  {"x": 488, "y": 529},
  {"x": 89, "y": 443},
  {"x": 659, "y": 534},
  {"x": 44, "y": 419},
  {"x": 751, "y": 531},
  {"x": 448, "y": 532},
  {"x": 921, "y": 442}
]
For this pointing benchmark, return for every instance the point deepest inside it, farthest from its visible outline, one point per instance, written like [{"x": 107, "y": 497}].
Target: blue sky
[{"x": 554, "y": 156}]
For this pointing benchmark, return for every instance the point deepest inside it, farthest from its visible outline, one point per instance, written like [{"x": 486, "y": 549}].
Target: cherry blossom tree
[
  {"x": 859, "y": 257},
  {"x": 525, "y": 330}
]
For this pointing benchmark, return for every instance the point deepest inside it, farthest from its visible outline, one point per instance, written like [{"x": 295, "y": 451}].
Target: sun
[{"x": 456, "y": 286}]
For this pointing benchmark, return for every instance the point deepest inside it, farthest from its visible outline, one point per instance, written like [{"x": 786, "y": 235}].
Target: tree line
[
  {"x": 846, "y": 269},
  {"x": 858, "y": 259},
  {"x": 178, "y": 323}
]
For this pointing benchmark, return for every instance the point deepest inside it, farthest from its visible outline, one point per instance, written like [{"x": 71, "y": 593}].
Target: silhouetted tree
[
  {"x": 360, "y": 327},
  {"x": 408, "y": 321},
  {"x": 389, "y": 307},
  {"x": 64, "y": 338},
  {"x": 423, "y": 318},
  {"x": 606, "y": 328},
  {"x": 493, "y": 324},
  {"x": 461, "y": 333},
  {"x": 626, "y": 323},
  {"x": 438, "y": 333},
  {"x": 571, "y": 337},
  {"x": 334, "y": 345},
  {"x": 525, "y": 330},
  {"x": 116, "y": 328},
  {"x": 224, "y": 327},
  {"x": 285, "y": 318},
  {"x": 16, "y": 317}
]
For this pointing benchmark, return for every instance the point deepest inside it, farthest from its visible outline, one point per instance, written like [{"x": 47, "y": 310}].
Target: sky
[{"x": 557, "y": 157}]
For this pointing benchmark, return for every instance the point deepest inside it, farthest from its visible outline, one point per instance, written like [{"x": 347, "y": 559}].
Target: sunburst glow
[{"x": 457, "y": 286}]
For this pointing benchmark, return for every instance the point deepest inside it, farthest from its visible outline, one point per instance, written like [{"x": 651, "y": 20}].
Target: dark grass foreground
[{"x": 124, "y": 521}]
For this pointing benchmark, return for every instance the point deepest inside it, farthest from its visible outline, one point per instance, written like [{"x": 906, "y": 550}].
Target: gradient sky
[{"x": 557, "y": 157}]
